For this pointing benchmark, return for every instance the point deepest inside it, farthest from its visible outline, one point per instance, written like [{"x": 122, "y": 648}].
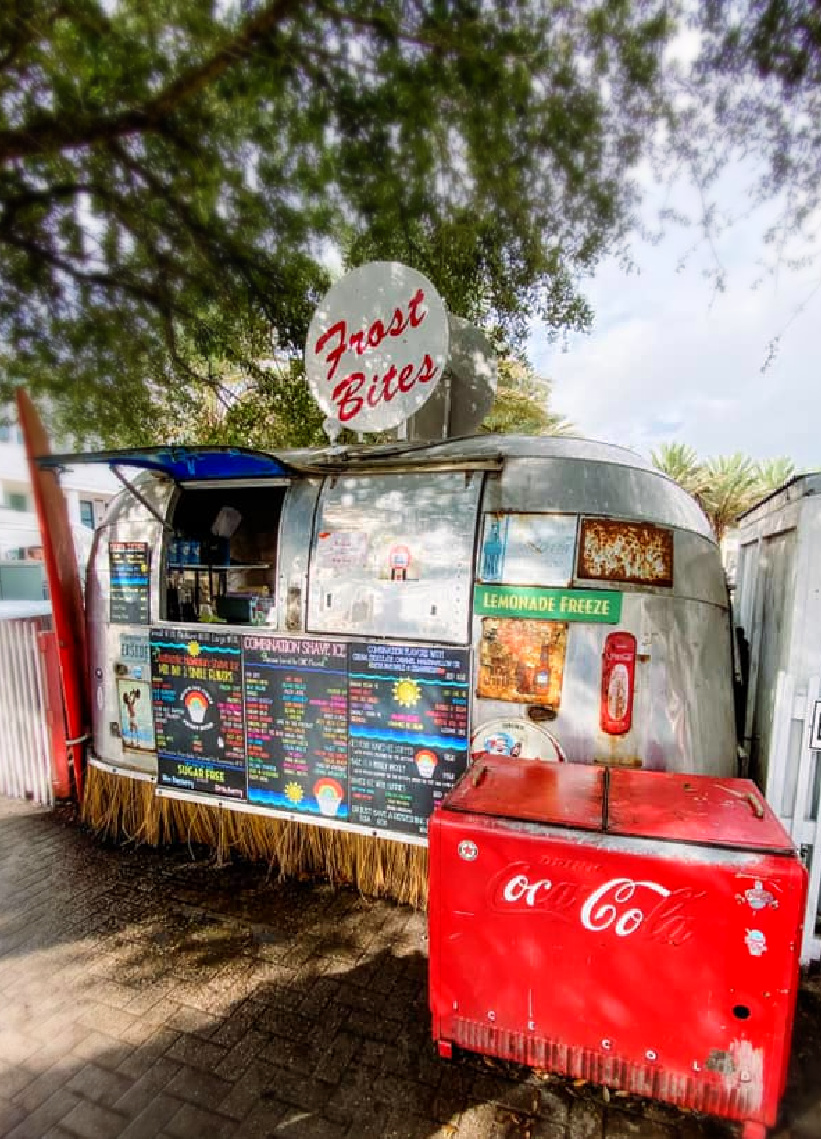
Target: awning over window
[{"x": 183, "y": 464}]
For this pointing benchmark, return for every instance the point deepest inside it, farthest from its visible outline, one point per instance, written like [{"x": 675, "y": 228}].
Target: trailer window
[
  {"x": 220, "y": 561},
  {"x": 392, "y": 556}
]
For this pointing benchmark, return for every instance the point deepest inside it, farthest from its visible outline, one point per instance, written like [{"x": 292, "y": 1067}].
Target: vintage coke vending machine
[{"x": 637, "y": 929}]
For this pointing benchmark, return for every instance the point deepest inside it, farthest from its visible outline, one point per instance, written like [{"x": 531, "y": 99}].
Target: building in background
[{"x": 88, "y": 491}]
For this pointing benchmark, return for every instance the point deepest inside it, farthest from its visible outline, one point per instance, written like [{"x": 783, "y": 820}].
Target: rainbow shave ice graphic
[
  {"x": 329, "y": 796},
  {"x": 196, "y": 704}
]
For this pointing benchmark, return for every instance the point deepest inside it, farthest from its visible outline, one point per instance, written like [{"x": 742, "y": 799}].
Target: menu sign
[
  {"x": 129, "y": 571},
  {"x": 296, "y": 710},
  {"x": 407, "y": 732},
  {"x": 198, "y": 713}
]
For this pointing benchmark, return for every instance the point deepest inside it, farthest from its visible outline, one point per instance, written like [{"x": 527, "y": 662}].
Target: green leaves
[
  {"x": 522, "y": 404},
  {"x": 162, "y": 162},
  {"x": 680, "y": 463},
  {"x": 725, "y": 486}
]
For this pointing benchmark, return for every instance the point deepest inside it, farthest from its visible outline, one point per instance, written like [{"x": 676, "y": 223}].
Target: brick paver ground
[{"x": 149, "y": 995}]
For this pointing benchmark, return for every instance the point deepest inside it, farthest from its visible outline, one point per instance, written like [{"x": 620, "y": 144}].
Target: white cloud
[{"x": 668, "y": 360}]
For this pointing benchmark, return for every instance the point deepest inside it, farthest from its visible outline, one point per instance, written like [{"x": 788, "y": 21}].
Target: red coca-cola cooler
[{"x": 637, "y": 929}]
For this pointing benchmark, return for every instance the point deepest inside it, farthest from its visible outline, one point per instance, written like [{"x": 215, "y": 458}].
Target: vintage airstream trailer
[{"x": 328, "y": 635}]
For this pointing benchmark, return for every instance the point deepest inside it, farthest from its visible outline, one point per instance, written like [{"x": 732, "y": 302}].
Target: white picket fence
[
  {"x": 793, "y": 786},
  {"x": 25, "y": 736}
]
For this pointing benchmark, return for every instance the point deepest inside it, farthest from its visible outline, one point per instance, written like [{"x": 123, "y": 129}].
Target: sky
[{"x": 669, "y": 361}]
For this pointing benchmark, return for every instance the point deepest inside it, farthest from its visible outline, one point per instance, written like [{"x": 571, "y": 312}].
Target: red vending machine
[{"x": 637, "y": 929}]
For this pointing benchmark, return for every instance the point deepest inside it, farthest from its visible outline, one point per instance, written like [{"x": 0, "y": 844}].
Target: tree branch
[
  {"x": 26, "y": 32},
  {"x": 52, "y": 133},
  {"x": 16, "y": 202},
  {"x": 102, "y": 280}
]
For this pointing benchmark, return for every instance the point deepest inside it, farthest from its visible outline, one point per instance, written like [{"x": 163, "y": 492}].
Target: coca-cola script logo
[
  {"x": 621, "y": 906},
  {"x": 377, "y": 346}
]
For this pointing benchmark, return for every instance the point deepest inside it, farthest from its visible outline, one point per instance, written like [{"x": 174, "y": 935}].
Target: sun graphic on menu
[
  {"x": 193, "y": 648},
  {"x": 406, "y": 692},
  {"x": 293, "y": 792}
]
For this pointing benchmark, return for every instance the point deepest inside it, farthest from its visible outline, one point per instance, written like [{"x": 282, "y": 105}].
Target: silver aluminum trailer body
[{"x": 461, "y": 543}]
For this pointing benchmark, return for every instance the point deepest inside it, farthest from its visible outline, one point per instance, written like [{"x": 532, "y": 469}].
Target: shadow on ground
[{"x": 150, "y": 994}]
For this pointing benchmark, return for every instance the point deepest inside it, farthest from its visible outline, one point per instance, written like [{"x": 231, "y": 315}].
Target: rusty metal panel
[{"x": 635, "y": 552}]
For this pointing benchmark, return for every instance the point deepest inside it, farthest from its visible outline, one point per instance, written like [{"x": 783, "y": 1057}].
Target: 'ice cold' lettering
[{"x": 358, "y": 388}]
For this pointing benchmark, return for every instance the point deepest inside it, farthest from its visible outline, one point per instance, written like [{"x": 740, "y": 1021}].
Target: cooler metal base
[{"x": 601, "y": 1067}]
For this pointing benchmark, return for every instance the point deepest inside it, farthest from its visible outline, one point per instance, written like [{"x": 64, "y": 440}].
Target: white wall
[{"x": 18, "y": 528}]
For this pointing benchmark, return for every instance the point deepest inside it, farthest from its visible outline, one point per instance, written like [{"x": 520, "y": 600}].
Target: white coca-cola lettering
[
  {"x": 615, "y": 894},
  {"x": 621, "y": 905},
  {"x": 668, "y": 922},
  {"x": 521, "y": 887},
  {"x": 518, "y": 887}
]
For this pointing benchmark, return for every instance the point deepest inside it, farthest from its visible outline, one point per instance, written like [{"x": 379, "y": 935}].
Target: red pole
[
  {"x": 55, "y": 714},
  {"x": 64, "y": 586}
]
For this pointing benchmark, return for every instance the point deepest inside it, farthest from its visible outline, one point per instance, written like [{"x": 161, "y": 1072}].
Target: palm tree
[
  {"x": 522, "y": 403},
  {"x": 682, "y": 464},
  {"x": 770, "y": 474},
  {"x": 731, "y": 486}
]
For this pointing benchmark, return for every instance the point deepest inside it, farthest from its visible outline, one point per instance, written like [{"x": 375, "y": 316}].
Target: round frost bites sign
[{"x": 377, "y": 346}]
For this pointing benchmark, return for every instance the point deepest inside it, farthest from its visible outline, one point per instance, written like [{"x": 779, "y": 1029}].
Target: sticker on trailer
[
  {"x": 136, "y": 714},
  {"x": 342, "y": 549},
  {"x": 517, "y": 739},
  {"x": 618, "y": 683},
  {"x": 525, "y": 549},
  {"x": 756, "y": 942},
  {"x": 757, "y": 898},
  {"x": 522, "y": 662},
  {"x": 591, "y": 606},
  {"x": 134, "y": 648}
]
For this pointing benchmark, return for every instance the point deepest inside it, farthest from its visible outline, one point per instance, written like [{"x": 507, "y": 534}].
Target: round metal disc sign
[{"x": 377, "y": 346}]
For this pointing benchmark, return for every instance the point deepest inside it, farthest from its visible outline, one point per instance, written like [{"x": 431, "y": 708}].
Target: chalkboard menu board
[
  {"x": 407, "y": 732},
  {"x": 370, "y": 734},
  {"x": 296, "y": 709},
  {"x": 198, "y": 713},
  {"x": 129, "y": 571}
]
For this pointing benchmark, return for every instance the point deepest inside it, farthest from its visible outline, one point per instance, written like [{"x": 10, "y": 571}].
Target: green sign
[{"x": 603, "y": 605}]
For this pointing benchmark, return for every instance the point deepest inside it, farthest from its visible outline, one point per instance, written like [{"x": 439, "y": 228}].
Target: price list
[
  {"x": 408, "y": 731},
  {"x": 129, "y": 577},
  {"x": 198, "y": 711},
  {"x": 296, "y": 705}
]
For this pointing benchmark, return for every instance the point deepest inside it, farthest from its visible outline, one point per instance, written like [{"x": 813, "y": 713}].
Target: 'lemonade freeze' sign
[{"x": 551, "y": 604}]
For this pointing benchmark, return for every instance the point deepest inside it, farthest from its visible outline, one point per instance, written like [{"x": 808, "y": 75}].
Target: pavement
[{"x": 154, "y": 995}]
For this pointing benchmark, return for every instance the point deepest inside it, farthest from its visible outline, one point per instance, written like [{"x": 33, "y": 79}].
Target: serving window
[
  {"x": 392, "y": 556},
  {"x": 220, "y": 560}
]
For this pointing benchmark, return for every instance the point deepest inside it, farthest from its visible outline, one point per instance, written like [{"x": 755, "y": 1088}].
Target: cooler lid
[
  {"x": 533, "y": 791},
  {"x": 693, "y": 809}
]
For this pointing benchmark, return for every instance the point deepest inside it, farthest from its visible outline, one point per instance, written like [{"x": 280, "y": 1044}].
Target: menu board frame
[
  {"x": 199, "y": 720},
  {"x": 295, "y": 762},
  {"x": 409, "y": 719}
]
